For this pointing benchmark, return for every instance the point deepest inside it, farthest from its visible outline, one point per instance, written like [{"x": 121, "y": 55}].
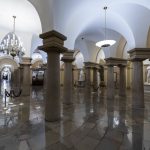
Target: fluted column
[
  {"x": 68, "y": 80},
  {"x": 122, "y": 84},
  {"x": 53, "y": 45},
  {"x": 110, "y": 82},
  {"x": 26, "y": 83}
]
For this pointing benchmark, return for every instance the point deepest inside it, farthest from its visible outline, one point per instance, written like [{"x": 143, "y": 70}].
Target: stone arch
[
  {"x": 7, "y": 60},
  {"x": 45, "y": 12},
  {"x": 121, "y": 46},
  {"x": 100, "y": 56},
  {"x": 79, "y": 59}
]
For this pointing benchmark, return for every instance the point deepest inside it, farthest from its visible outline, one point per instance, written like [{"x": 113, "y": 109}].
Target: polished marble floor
[{"x": 91, "y": 123}]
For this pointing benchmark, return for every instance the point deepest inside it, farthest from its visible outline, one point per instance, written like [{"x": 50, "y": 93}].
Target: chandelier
[
  {"x": 11, "y": 44},
  {"x": 105, "y": 42}
]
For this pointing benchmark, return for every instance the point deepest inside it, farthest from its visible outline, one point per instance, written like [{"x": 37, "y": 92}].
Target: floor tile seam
[
  {"x": 102, "y": 138},
  {"x": 121, "y": 142},
  {"x": 119, "y": 131},
  {"x": 82, "y": 137},
  {"x": 73, "y": 131}
]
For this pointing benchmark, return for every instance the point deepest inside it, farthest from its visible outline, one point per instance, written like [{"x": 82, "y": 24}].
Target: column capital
[
  {"x": 139, "y": 54},
  {"x": 111, "y": 61},
  {"x": 68, "y": 56},
  {"x": 53, "y": 41},
  {"x": 91, "y": 65},
  {"x": 26, "y": 61}
]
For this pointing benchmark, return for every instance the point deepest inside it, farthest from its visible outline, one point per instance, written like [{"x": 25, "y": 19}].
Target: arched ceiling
[
  {"x": 27, "y": 17},
  {"x": 127, "y": 17},
  {"x": 77, "y": 18}
]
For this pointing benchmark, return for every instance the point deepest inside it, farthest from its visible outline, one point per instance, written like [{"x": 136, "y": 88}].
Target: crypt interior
[{"x": 75, "y": 75}]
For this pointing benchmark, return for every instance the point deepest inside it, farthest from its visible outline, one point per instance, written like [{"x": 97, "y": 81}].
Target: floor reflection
[{"x": 91, "y": 123}]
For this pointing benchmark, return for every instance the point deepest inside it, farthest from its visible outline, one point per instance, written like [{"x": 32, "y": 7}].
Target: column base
[{"x": 53, "y": 119}]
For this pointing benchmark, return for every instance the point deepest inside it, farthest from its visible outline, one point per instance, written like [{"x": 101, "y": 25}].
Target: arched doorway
[{"x": 7, "y": 68}]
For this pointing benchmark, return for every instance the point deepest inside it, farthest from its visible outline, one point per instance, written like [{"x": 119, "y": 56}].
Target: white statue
[
  {"x": 148, "y": 74},
  {"x": 81, "y": 76}
]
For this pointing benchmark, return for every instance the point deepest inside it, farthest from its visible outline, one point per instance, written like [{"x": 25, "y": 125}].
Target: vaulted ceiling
[{"x": 84, "y": 19}]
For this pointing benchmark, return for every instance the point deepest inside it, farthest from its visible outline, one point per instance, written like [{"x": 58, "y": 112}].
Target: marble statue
[
  {"x": 148, "y": 74},
  {"x": 81, "y": 76}
]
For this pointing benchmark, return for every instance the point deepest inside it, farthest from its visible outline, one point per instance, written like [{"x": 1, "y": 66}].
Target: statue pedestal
[{"x": 147, "y": 87}]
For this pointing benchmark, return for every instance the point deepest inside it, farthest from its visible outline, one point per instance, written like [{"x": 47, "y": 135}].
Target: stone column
[
  {"x": 16, "y": 78},
  {"x": 102, "y": 81},
  {"x": 111, "y": 62},
  {"x": 53, "y": 44},
  {"x": 68, "y": 80},
  {"x": 88, "y": 74},
  {"x": 26, "y": 63},
  {"x": 110, "y": 82},
  {"x": 95, "y": 77},
  {"x": 137, "y": 84},
  {"x": 122, "y": 84},
  {"x": 137, "y": 56}
]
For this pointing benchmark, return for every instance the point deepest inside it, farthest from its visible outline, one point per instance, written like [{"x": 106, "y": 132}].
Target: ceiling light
[{"x": 105, "y": 42}]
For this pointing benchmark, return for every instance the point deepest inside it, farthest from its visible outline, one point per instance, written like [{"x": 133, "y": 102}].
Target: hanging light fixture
[
  {"x": 11, "y": 44},
  {"x": 105, "y": 42}
]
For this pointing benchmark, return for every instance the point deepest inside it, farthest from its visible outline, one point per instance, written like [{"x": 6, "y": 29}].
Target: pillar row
[
  {"x": 53, "y": 45},
  {"x": 137, "y": 56},
  {"x": 121, "y": 63}
]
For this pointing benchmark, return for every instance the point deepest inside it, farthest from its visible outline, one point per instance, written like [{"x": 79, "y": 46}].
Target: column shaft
[
  {"x": 26, "y": 80},
  {"x": 110, "y": 82},
  {"x": 52, "y": 110},
  {"x": 68, "y": 83},
  {"x": 95, "y": 80},
  {"x": 122, "y": 85},
  {"x": 88, "y": 76},
  {"x": 137, "y": 85}
]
